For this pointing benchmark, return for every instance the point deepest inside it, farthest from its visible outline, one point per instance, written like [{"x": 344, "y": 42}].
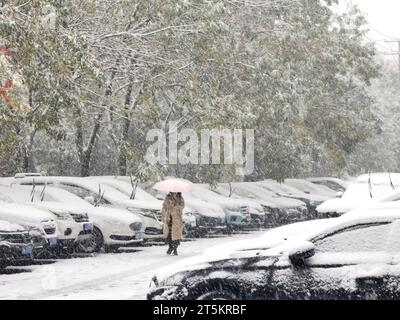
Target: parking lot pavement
[{"x": 123, "y": 275}]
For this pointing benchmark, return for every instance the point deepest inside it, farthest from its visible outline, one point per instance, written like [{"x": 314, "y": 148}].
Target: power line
[{"x": 393, "y": 53}]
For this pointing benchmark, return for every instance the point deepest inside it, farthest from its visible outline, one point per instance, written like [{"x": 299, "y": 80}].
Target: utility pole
[{"x": 395, "y": 53}]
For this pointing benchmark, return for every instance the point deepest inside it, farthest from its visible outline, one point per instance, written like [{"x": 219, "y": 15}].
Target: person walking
[{"x": 172, "y": 221}]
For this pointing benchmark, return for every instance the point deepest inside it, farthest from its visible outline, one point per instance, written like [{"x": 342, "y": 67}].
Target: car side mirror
[
  {"x": 300, "y": 252},
  {"x": 90, "y": 199},
  {"x": 339, "y": 194}
]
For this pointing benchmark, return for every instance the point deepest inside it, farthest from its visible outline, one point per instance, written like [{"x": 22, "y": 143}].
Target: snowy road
[{"x": 105, "y": 276}]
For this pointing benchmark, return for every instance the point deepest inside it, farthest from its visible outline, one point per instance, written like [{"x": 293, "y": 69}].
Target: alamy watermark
[{"x": 187, "y": 146}]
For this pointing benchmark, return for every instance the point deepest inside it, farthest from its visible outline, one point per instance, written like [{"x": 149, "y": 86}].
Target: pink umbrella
[{"x": 173, "y": 185}]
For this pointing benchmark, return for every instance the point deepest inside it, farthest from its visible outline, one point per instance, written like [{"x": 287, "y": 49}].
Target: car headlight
[{"x": 136, "y": 226}]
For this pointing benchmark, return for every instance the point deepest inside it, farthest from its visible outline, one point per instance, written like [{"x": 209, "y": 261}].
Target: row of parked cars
[
  {"x": 44, "y": 216},
  {"x": 352, "y": 253}
]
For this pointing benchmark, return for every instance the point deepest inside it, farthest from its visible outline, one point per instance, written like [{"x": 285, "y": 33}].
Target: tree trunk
[
  {"x": 85, "y": 154},
  {"x": 122, "y": 158}
]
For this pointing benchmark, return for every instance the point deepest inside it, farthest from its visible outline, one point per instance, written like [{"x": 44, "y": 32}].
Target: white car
[
  {"x": 73, "y": 222},
  {"x": 113, "y": 228},
  {"x": 308, "y": 187},
  {"x": 138, "y": 193},
  {"x": 336, "y": 184},
  {"x": 102, "y": 195},
  {"x": 239, "y": 211},
  {"x": 278, "y": 210},
  {"x": 200, "y": 216},
  {"x": 369, "y": 188},
  {"x": 35, "y": 220},
  {"x": 15, "y": 243}
]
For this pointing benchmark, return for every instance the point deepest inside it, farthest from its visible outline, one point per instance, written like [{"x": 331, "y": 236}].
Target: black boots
[
  {"x": 172, "y": 249},
  {"x": 169, "y": 251}
]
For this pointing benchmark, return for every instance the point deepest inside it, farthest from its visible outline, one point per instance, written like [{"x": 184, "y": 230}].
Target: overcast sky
[
  {"x": 384, "y": 21},
  {"x": 383, "y": 15}
]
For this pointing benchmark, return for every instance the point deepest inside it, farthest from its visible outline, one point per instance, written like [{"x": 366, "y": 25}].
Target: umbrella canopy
[{"x": 173, "y": 185}]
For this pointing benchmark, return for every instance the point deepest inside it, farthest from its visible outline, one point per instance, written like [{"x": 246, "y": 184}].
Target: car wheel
[
  {"x": 217, "y": 295},
  {"x": 91, "y": 244}
]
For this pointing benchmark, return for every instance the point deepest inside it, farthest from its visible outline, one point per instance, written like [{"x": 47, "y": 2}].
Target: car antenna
[
  {"x": 33, "y": 190},
  {"x": 369, "y": 184},
  {"x": 43, "y": 193},
  {"x": 391, "y": 182},
  {"x": 134, "y": 188}
]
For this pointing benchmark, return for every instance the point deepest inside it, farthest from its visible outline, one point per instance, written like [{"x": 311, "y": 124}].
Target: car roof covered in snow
[
  {"x": 264, "y": 196},
  {"x": 338, "y": 181},
  {"x": 64, "y": 196},
  {"x": 23, "y": 195},
  {"x": 309, "y": 187},
  {"x": 110, "y": 194},
  {"x": 380, "y": 178},
  {"x": 126, "y": 188},
  {"x": 356, "y": 195},
  {"x": 287, "y": 190},
  {"x": 206, "y": 193}
]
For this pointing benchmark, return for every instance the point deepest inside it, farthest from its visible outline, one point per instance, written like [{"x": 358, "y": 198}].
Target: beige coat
[{"x": 173, "y": 207}]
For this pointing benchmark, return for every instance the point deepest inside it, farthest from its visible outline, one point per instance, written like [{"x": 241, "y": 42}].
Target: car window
[
  {"x": 362, "y": 238},
  {"x": 83, "y": 193}
]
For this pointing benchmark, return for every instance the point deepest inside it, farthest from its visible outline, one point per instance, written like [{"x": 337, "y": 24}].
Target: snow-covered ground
[{"x": 105, "y": 276}]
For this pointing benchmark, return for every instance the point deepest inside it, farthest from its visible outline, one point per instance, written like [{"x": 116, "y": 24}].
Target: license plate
[
  {"x": 139, "y": 235},
  {"x": 88, "y": 227},
  {"x": 27, "y": 250},
  {"x": 52, "y": 241}
]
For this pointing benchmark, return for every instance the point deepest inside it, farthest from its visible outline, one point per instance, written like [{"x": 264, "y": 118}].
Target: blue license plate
[
  {"x": 27, "y": 250},
  {"x": 139, "y": 235},
  {"x": 52, "y": 241},
  {"x": 88, "y": 227}
]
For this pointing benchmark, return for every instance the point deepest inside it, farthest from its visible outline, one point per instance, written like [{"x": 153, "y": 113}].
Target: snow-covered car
[
  {"x": 335, "y": 184},
  {"x": 318, "y": 191},
  {"x": 367, "y": 188},
  {"x": 277, "y": 210},
  {"x": 134, "y": 191},
  {"x": 73, "y": 222},
  {"x": 238, "y": 211},
  {"x": 113, "y": 228},
  {"x": 255, "y": 207},
  {"x": 99, "y": 194},
  {"x": 40, "y": 223},
  {"x": 209, "y": 216},
  {"x": 15, "y": 244},
  {"x": 311, "y": 200},
  {"x": 353, "y": 257}
]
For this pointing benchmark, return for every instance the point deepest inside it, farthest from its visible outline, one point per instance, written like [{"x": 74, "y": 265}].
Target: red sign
[{"x": 8, "y": 84}]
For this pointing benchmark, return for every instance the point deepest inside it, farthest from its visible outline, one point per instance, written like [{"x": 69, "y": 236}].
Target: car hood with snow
[{"x": 6, "y": 226}]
